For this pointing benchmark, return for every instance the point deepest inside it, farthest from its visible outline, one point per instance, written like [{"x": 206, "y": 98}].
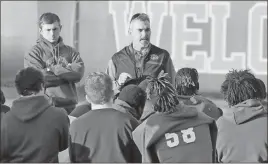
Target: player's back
[
  {"x": 242, "y": 133},
  {"x": 192, "y": 144},
  {"x": 183, "y": 136},
  {"x": 103, "y": 135},
  {"x": 202, "y": 104}
]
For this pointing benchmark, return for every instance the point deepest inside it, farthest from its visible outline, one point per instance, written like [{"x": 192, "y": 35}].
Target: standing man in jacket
[
  {"x": 140, "y": 58},
  {"x": 61, "y": 65}
]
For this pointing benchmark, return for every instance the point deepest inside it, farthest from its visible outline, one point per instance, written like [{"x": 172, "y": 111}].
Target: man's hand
[{"x": 123, "y": 77}]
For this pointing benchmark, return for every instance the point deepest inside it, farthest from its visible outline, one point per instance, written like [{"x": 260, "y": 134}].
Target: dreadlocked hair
[
  {"x": 240, "y": 86},
  {"x": 186, "y": 81},
  {"x": 162, "y": 93}
]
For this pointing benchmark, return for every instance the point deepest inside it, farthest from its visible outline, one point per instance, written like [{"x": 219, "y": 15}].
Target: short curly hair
[
  {"x": 99, "y": 87},
  {"x": 240, "y": 85},
  {"x": 29, "y": 81},
  {"x": 186, "y": 81}
]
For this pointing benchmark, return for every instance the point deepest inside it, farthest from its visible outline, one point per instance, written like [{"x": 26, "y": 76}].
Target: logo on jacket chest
[{"x": 154, "y": 57}]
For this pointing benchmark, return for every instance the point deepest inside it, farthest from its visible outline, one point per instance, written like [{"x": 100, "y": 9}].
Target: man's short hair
[
  {"x": 240, "y": 86},
  {"x": 48, "y": 18},
  {"x": 186, "y": 81},
  {"x": 140, "y": 16},
  {"x": 28, "y": 81},
  {"x": 99, "y": 87}
]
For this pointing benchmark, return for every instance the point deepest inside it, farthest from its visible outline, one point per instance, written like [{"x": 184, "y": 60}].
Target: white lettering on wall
[
  {"x": 157, "y": 10},
  {"x": 219, "y": 62},
  {"x": 256, "y": 62},
  {"x": 183, "y": 36},
  {"x": 120, "y": 11}
]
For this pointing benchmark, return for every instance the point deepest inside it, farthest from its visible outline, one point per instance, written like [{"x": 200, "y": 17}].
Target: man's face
[
  {"x": 51, "y": 32},
  {"x": 140, "y": 32}
]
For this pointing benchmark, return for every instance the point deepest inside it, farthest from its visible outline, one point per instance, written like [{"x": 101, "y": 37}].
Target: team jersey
[{"x": 182, "y": 136}]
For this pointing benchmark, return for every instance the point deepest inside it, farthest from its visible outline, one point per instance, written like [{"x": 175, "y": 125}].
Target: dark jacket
[
  {"x": 81, "y": 109},
  {"x": 147, "y": 110},
  {"x": 124, "y": 107},
  {"x": 155, "y": 61},
  {"x": 4, "y": 108},
  {"x": 242, "y": 133},
  {"x": 202, "y": 105},
  {"x": 33, "y": 131},
  {"x": 183, "y": 136},
  {"x": 66, "y": 69},
  {"x": 103, "y": 135}
]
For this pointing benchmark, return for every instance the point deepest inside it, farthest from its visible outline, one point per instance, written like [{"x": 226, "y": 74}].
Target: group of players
[{"x": 139, "y": 110}]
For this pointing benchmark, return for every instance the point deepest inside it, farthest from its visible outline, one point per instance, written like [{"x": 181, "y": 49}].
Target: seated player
[
  {"x": 131, "y": 100},
  {"x": 103, "y": 134},
  {"x": 187, "y": 86},
  {"x": 174, "y": 133},
  {"x": 33, "y": 130},
  {"x": 242, "y": 130}
]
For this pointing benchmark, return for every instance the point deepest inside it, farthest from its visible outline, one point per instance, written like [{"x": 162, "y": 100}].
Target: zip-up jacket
[{"x": 154, "y": 61}]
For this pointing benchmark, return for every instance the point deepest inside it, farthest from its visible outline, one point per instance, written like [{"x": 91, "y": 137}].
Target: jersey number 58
[{"x": 188, "y": 136}]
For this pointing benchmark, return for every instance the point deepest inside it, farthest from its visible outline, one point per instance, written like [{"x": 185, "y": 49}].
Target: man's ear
[
  {"x": 60, "y": 27},
  {"x": 129, "y": 31},
  {"x": 40, "y": 30}
]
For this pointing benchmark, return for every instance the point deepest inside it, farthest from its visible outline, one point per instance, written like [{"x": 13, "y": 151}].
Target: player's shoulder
[
  {"x": 121, "y": 52},
  {"x": 34, "y": 50},
  {"x": 125, "y": 119},
  {"x": 159, "y": 51},
  {"x": 70, "y": 48},
  {"x": 223, "y": 121},
  {"x": 57, "y": 113}
]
